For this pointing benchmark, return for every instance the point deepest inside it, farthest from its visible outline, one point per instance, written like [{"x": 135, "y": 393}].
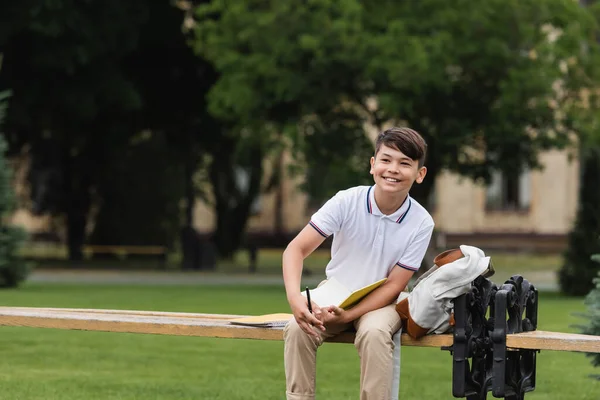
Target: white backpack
[{"x": 428, "y": 308}]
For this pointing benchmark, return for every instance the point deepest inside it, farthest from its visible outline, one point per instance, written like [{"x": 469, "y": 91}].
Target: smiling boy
[{"x": 379, "y": 232}]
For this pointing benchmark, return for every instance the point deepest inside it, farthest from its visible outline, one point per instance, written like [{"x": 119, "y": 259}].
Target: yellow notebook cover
[
  {"x": 332, "y": 292},
  {"x": 265, "y": 321},
  {"x": 359, "y": 294}
]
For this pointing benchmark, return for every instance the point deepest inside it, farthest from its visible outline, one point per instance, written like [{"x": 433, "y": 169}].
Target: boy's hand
[
  {"x": 304, "y": 318},
  {"x": 334, "y": 315}
]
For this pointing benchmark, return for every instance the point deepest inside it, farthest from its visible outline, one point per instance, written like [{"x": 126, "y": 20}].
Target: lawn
[
  {"x": 506, "y": 264},
  {"x": 52, "y": 364}
]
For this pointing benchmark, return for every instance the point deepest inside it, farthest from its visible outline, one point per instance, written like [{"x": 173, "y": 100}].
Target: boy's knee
[
  {"x": 292, "y": 329},
  {"x": 372, "y": 335},
  {"x": 294, "y": 335}
]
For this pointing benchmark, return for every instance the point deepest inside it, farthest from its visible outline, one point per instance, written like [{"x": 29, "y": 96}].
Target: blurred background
[
  {"x": 159, "y": 155},
  {"x": 202, "y": 135}
]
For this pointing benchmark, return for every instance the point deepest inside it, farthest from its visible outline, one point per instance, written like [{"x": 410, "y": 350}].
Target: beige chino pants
[{"x": 375, "y": 346}]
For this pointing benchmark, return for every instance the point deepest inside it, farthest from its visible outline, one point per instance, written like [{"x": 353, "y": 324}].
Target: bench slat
[
  {"x": 543, "y": 340},
  {"x": 45, "y": 310},
  {"x": 217, "y": 325},
  {"x": 165, "y": 323}
]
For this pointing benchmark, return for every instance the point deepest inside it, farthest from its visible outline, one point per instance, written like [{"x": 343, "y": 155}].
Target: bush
[
  {"x": 578, "y": 271},
  {"x": 593, "y": 314},
  {"x": 13, "y": 268}
]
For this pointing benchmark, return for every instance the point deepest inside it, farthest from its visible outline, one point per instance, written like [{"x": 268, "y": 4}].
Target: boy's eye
[
  {"x": 385, "y": 160},
  {"x": 406, "y": 163}
]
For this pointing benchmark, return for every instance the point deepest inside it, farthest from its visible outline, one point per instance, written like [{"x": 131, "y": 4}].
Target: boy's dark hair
[{"x": 406, "y": 140}]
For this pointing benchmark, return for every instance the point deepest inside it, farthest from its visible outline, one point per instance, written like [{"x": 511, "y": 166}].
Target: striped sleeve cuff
[
  {"x": 318, "y": 229},
  {"x": 413, "y": 269}
]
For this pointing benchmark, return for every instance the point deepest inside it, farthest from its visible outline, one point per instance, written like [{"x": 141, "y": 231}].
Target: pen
[{"x": 308, "y": 298}]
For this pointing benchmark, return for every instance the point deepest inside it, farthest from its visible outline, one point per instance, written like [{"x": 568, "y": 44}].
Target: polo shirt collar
[{"x": 398, "y": 216}]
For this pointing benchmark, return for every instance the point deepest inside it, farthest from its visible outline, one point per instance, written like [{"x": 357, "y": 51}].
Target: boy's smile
[{"x": 394, "y": 180}]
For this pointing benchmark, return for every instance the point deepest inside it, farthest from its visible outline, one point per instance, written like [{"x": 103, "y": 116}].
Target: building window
[{"x": 509, "y": 192}]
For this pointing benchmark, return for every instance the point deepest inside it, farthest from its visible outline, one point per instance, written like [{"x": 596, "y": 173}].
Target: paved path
[
  {"x": 157, "y": 277},
  {"x": 542, "y": 280}
]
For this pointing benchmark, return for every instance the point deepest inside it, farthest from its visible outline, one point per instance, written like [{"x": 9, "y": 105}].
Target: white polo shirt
[{"x": 367, "y": 244}]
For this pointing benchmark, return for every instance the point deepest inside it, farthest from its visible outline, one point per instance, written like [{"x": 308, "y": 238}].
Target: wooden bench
[
  {"x": 494, "y": 344},
  {"x": 218, "y": 326}
]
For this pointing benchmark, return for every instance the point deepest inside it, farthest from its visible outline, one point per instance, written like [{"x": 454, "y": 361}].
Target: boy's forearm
[
  {"x": 292, "y": 271},
  {"x": 381, "y": 297}
]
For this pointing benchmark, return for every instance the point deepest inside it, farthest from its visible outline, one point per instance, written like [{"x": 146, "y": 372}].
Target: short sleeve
[
  {"x": 415, "y": 252},
  {"x": 328, "y": 219}
]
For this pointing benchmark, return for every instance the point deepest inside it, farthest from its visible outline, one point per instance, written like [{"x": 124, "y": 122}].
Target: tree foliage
[
  {"x": 157, "y": 168},
  {"x": 70, "y": 100},
  {"x": 105, "y": 73},
  {"x": 173, "y": 82},
  {"x": 489, "y": 84},
  {"x": 139, "y": 193}
]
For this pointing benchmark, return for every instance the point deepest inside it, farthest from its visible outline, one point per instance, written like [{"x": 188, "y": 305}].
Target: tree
[
  {"x": 236, "y": 172},
  {"x": 13, "y": 269},
  {"x": 578, "y": 271},
  {"x": 173, "y": 83},
  {"x": 488, "y": 84},
  {"x": 593, "y": 307},
  {"x": 138, "y": 194},
  {"x": 121, "y": 70},
  {"x": 70, "y": 99}
]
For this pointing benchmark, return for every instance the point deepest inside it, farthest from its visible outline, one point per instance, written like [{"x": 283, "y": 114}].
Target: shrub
[
  {"x": 13, "y": 268},
  {"x": 578, "y": 271},
  {"x": 593, "y": 314}
]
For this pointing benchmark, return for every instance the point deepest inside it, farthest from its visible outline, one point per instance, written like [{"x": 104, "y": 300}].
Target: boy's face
[{"x": 394, "y": 172}]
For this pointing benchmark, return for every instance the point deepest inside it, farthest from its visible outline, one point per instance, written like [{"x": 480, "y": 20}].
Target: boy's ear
[
  {"x": 372, "y": 164},
  {"x": 421, "y": 174}
]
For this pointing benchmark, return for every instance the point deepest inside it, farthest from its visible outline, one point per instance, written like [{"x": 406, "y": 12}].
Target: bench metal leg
[
  {"x": 481, "y": 361},
  {"x": 514, "y": 370}
]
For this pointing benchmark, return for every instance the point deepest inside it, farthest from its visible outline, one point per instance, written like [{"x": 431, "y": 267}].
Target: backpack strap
[{"x": 447, "y": 257}]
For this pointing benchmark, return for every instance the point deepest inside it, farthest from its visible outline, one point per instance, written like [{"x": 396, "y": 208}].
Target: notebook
[
  {"x": 333, "y": 292},
  {"x": 264, "y": 321}
]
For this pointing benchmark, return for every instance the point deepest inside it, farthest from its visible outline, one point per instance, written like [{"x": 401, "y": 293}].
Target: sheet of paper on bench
[
  {"x": 264, "y": 321},
  {"x": 332, "y": 292}
]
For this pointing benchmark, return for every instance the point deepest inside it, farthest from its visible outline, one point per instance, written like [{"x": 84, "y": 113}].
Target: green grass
[
  {"x": 537, "y": 268},
  {"x": 269, "y": 261},
  {"x": 53, "y": 364}
]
